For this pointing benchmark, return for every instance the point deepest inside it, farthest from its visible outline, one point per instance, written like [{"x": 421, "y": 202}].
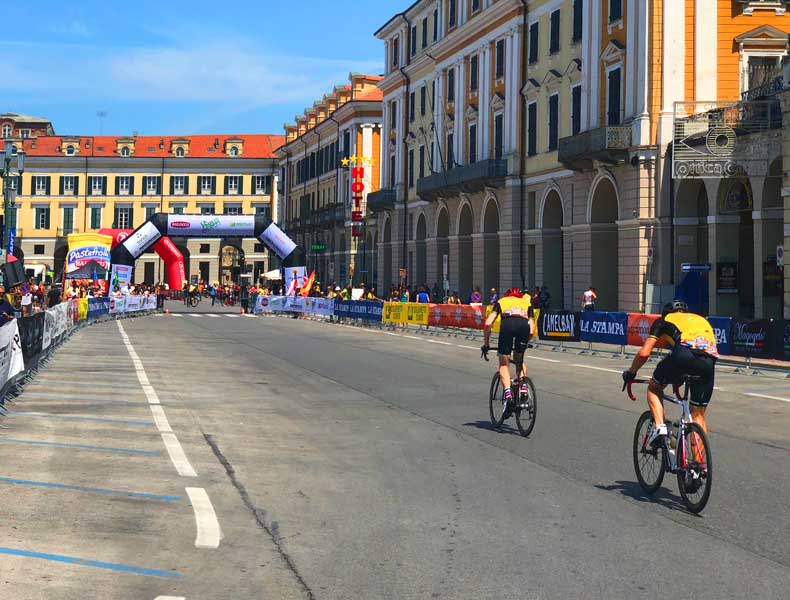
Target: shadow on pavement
[
  {"x": 487, "y": 426},
  {"x": 663, "y": 497}
]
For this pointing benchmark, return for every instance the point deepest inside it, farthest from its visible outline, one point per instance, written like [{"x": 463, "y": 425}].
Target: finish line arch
[
  {"x": 161, "y": 225},
  {"x": 164, "y": 247}
]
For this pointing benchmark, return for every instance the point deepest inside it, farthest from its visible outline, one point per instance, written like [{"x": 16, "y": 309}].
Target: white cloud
[{"x": 213, "y": 72}]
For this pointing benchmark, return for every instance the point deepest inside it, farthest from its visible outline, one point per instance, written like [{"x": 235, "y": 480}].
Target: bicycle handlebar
[{"x": 627, "y": 387}]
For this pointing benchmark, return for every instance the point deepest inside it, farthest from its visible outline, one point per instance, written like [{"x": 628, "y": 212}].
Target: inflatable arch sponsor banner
[
  {"x": 164, "y": 247},
  {"x": 85, "y": 247},
  {"x": 251, "y": 226}
]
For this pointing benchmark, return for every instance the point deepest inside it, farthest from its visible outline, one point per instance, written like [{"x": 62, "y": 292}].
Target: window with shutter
[
  {"x": 499, "y": 136},
  {"x": 615, "y": 10},
  {"x": 413, "y": 40},
  {"x": 554, "y": 114},
  {"x": 554, "y": 38},
  {"x": 392, "y": 171},
  {"x": 451, "y": 13},
  {"x": 578, "y": 19},
  {"x": 614, "y": 95},
  {"x": 533, "y": 43},
  {"x": 425, "y": 32},
  {"x": 576, "y": 109},
  {"x": 421, "y": 169},
  {"x": 435, "y": 25},
  {"x": 411, "y": 107},
  {"x": 473, "y": 72},
  {"x": 95, "y": 217},
  {"x": 422, "y": 100},
  {"x": 451, "y": 84},
  {"x": 500, "y": 59},
  {"x": 472, "y": 144},
  {"x": 450, "y": 150},
  {"x": 411, "y": 168},
  {"x": 532, "y": 129}
]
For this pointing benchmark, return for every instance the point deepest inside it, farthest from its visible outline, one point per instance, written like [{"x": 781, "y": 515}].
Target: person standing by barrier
[
  {"x": 244, "y": 298},
  {"x": 545, "y": 298},
  {"x": 588, "y": 299},
  {"x": 494, "y": 297},
  {"x": 422, "y": 296},
  {"x": 454, "y": 299}
]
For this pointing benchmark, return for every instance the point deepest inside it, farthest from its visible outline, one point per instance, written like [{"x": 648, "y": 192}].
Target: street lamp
[{"x": 8, "y": 202}]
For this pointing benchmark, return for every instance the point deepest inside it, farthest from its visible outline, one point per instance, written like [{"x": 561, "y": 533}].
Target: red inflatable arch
[{"x": 167, "y": 251}]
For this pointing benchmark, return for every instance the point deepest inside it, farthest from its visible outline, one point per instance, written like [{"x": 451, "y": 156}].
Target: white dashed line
[
  {"x": 529, "y": 357},
  {"x": 438, "y": 342},
  {"x": 766, "y": 396},
  {"x": 233, "y": 316},
  {"x": 169, "y": 598},
  {"x": 214, "y": 316},
  {"x": 468, "y": 347},
  {"x": 208, "y": 531},
  {"x": 596, "y": 368},
  {"x": 177, "y": 456},
  {"x": 172, "y": 445}
]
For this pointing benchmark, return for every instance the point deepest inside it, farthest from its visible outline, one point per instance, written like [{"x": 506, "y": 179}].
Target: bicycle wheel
[
  {"x": 193, "y": 302},
  {"x": 527, "y": 410},
  {"x": 648, "y": 462},
  {"x": 695, "y": 475},
  {"x": 496, "y": 402}
]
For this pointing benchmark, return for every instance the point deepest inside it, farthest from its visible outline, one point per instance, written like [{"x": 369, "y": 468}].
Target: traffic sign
[
  {"x": 318, "y": 247},
  {"x": 695, "y": 267},
  {"x": 780, "y": 256}
]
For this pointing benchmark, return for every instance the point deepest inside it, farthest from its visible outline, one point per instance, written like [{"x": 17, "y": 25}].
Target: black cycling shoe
[{"x": 508, "y": 410}]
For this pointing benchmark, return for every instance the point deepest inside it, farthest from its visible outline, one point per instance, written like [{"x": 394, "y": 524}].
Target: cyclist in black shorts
[
  {"x": 518, "y": 326},
  {"x": 693, "y": 352}
]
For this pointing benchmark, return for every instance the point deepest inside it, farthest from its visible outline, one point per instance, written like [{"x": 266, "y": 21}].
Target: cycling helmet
[
  {"x": 513, "y": 292},
  {"x": 675, "y": 306}
]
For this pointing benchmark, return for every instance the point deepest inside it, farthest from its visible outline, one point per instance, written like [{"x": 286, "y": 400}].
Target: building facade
[
  {"x": 13, "y": 125},
  {"x": 549, "y": 135},
  {"x": 448, "y": 210},
  {"x": 318, "y": 187},
  {"x": 78, "y": 184}
]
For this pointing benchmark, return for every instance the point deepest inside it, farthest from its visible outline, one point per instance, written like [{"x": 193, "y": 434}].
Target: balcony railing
[
  {"x": 462, "y": 178},
  {"x": 605, "y": 144},
  {"x": 384, "y": 199}
]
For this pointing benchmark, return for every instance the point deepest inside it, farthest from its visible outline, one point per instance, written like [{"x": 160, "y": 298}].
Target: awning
[{"x": 273, "y": 275}]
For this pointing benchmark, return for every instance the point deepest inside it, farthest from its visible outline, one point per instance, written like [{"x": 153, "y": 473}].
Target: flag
[
  {"x": 308, "y": 285},
  {"x": 291, "y": 288}
]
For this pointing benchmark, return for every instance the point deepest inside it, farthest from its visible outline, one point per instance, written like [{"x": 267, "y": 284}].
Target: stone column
[
  {"x": 453, "y": 259},
  {"x": 431, "y": 247},
  {"x": 785, "y": 101},
  {"x": 478, "y": 259}
]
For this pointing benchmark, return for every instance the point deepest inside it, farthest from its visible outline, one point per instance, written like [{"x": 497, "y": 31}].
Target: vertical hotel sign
[{"x": 357, "y": 165}]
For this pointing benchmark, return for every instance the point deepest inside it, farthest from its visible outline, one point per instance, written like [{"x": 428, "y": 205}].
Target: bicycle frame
[{"x": 681, "y": 453}]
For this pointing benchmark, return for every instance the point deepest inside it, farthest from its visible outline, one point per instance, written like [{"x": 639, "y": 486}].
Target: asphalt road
[{"x": 349, "y": 463}]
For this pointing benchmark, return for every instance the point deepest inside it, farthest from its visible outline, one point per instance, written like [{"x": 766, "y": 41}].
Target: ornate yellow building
[{"x": 75, "y": 184}]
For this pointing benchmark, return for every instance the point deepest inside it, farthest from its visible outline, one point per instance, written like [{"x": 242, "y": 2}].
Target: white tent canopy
[{"x": 273, "y": 275}]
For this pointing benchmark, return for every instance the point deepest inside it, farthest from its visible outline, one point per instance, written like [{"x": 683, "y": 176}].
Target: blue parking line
[
  {"x": 89, "y": 563},
  {"x": 80, "y": 446},
  {"x": 78, "y": 418},
  {"x": 79, "y": 488}
]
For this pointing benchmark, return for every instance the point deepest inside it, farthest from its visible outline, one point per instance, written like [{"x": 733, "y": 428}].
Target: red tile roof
[
  {"x": 374, "y": 95},
  {"x": 200, "y": 146}
]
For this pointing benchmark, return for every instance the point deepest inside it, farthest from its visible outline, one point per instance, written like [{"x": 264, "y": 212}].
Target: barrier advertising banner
[
  {"x": 31, "y": 335},
  {"x": 82, "y": 312},
  {"x": 366, "y": 310},
  {"x": 722, "y": 327},
  {"x": 783, "y": 345},
  {"x": 87, "y": 247},
  {"x": 457, "y": 315},
  {"x": 752, "y": 338},
  {"x": 117, "y": 304},
  {"x": 297, "y": 304},
  {"x": 639, "y": 328},
  {"x": 11, "y": 360},
  {"x": 604, "y": 327},
  {"x": 560, "y": 326},
  {"x": 97, "y": 307},
  {"x": 405, "y": 312}
]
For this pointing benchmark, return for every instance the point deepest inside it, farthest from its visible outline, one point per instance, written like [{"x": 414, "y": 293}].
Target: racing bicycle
[
  {"x": 525, "y": 407},
  {"x": 684, "y": 451}
]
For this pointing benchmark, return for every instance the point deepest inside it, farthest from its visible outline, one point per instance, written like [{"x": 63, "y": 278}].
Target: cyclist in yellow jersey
[
  {"x": 693, "y": 352},
  {"x": 518, "y": 326}
]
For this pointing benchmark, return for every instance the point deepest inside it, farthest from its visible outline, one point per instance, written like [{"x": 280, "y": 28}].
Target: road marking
[
  {"x": 172, "y": 445},
  {"x": 81, "y": 447},
  {"x": 215, "y": 316},
  {"x": 233, "y": 316},
  {"x": 766, "y": 396},
  {"x": 177, "y": 456},
  {"x": 78, "y": 418},
  {"x": 413, "y": 337},
  {"x": 80, "y": 488},
  {"x": 208, "y": 531},
  {"x": 162, "y": 424},
  {"x": 469, "y": 347},
  {"x": 72, "y": 560},
  {"x": 530, "y": 357},
  {"x": 438, "y": 342},
  {"x": 596, "y": 368},
  {"x": 193, "y": 315},
  {"x": 169, "y": 598}
]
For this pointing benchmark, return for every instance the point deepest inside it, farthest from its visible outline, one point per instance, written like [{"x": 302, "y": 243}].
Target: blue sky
[{"x": 182, "y": 67}]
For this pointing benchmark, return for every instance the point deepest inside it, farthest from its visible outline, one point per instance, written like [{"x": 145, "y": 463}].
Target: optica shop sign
[{"x": 211, "y": 225}]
